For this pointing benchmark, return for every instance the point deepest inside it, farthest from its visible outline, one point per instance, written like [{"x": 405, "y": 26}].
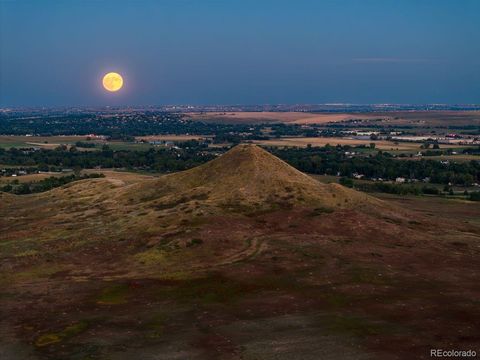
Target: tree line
[
  {"x": 333, "y": 160},
  {"x": 329, "y": 160},
  {"x": 15, "y": 187}
]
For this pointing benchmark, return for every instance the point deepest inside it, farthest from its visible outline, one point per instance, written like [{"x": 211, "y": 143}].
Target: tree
[
  {"x": 7, "y": 188},
  {"x": 77, "y": 170},
  {"x": 346, "y": 182}
]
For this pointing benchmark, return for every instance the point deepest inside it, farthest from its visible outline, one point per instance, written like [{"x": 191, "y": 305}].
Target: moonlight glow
[{"x": 112, "y": 81}]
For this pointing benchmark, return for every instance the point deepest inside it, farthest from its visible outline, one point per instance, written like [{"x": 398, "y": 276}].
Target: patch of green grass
[
  {"x": 68, "y": 332},
  {"x": 151, "y": 257},
  {"x": 177, "y": 276},
  {"x": 74, "y": 329},
  {"x": 27, "y": 253},
  {"x": 47, "y": 339},
  {"x": 114, "y": 295},
  {"x": 36, "y": 272}
]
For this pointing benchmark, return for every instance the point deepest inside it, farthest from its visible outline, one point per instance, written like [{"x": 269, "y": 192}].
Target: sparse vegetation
[
  {"x": 66, "y": 333},
  {"x": 114, "y": 295}
]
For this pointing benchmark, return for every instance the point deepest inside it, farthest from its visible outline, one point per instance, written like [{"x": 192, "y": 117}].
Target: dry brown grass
[
  {"x": 124, "y": 176},
  {"x": 268, "y": 116}
]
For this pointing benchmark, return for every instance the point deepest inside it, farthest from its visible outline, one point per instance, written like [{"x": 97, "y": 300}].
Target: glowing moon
[{"x": 112, "y": 81}]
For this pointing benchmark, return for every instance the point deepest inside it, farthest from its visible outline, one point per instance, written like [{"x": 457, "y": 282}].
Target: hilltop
[
  {"x": 241, "y": 188},
  {"x": 246, "y": 177}
]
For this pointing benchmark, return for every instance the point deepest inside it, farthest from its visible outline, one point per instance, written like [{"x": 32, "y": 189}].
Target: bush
[
  {"x": 475, "y": 196},
  {"x": 346, "y": 182},
  {"x": 82, "y": 144},
  {"x": 430, "y": 190}
]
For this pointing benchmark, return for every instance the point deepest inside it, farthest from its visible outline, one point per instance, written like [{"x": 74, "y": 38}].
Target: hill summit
[{"x": 246, "y": 176}]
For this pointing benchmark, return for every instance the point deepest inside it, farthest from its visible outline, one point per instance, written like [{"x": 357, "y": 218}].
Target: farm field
[
  {"x": 271, "y": 117},
  {"x": 48, "y": 142},
  {"x": 431, "y": 118},
  {"x": 51, "y": 142},
  {"x": 418, "y": 119},
  {"x": 175, "y": 138},
  {"x": 322, "y": 141},
  {"x": 458, "y": 190},
  {"x": 465, "y": 211}
]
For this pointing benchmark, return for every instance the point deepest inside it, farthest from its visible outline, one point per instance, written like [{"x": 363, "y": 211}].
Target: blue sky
[{"x": 54, "y": 53}]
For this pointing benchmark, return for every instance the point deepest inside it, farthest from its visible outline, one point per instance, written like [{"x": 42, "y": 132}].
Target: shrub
[
  {"x": 346, "y": 182},
  {"x": 475, "y": 196}
]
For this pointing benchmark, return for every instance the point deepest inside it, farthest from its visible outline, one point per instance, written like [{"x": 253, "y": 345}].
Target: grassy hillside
[{"x": 197, "y": 263}]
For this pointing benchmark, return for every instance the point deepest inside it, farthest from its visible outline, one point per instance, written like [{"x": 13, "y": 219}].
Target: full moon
[{"x": 112, "y": 81}]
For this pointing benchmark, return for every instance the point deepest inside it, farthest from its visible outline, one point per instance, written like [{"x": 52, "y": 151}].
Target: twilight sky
[{"x": 55, "y": 53}]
